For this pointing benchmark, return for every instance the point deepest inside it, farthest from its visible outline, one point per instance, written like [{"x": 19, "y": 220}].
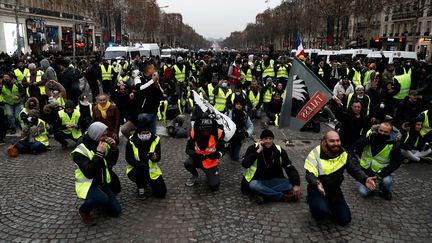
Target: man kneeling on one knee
[{"x": 265, "y": 163}]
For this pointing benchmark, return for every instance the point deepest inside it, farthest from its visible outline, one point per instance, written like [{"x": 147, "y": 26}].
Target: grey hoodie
[{"x": 50, "y": 73}]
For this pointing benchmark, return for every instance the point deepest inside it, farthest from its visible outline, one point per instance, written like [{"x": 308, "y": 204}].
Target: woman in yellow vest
[
  {"x": 95, "y": 182},
  {"x": 34, "y": 138},
  {"x": 143, "y": 152},
  {"x": 67, "y": 124}
]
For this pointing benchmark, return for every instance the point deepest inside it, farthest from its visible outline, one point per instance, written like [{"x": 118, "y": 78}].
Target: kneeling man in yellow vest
[
  {"x": 381, "y": 156},
  {"x": 67, "y": 124},
  {"x": 95, "y": 180},
  {"x": 325, "y": 166},
  {"x": 143, "y": 152},
  {"x": 34, "y": 138}
]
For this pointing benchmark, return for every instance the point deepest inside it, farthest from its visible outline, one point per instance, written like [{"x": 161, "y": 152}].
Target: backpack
[{"x": 168, "y": 73}]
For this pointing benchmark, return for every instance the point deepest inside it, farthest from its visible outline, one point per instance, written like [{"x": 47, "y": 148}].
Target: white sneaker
[{"x": 191, "y": 181}]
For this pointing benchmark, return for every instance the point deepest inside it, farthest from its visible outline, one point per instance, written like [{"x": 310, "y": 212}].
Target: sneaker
[
  {"x": 191, "y": 181},
  {"x": 86, "y": 218},
  {"x": 386, "y": 195},
  {"x": 141, "y": 193}
]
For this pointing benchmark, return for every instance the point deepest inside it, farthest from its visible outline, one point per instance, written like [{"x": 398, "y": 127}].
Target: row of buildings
[
  {"x": 332, "y": 24},
  {"x": 54, "y": 25}
]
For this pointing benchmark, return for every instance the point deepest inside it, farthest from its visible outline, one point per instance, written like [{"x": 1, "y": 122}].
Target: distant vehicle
[
  {"x": 328, "y": 55},
  {"x": 354, "y": 54},
  {"x": 121, "y": 51},
  {"x": 391, "y": 56},
  {"x": 166, "y": 54},
  {"x": 149, "y": 50}
]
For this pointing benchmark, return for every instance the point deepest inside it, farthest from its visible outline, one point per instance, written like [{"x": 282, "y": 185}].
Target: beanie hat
[
  {"x": 95, "y": 130},
  {"x": 266, "y": 134},
  {"x": 69, "y": 104}
]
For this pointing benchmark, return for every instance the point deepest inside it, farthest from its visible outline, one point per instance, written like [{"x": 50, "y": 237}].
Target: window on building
[
  {"x": 419, "y": 27},
  {"x": 385, "y": 29},
  {"x": 428, "y": 26},
  {"x": 392, "y": 29}
]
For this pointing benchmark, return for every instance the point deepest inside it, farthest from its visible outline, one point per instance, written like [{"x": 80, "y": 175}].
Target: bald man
[{"x": 325, "y": 166}]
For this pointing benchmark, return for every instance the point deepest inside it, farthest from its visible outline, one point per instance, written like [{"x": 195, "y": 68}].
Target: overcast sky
[{"x": 217, "y": 18}]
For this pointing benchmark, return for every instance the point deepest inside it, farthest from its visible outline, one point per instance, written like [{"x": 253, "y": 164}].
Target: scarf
[{"x": 103, "y": 109}]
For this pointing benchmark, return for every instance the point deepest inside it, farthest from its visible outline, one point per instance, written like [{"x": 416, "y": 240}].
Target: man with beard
[
  {"x": 325, "y": 166},
  {"x": 380, "y": 158},
  {"x": 205, "y": 147},
  {"x": 265, "y": 163}
]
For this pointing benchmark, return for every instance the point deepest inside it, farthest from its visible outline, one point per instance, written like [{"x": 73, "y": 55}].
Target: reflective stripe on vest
[
  {"x": 42, "y": 137},
  {"x": 66, "y": 120},
  {"x": 417, "y": 140},
  {"x": 250, "y": 172},
  {"x": 211, "y": 96},
  {"x": 180, "y": 75},
  {"x": 377, "y": 162},
  {"x": 405, "y": 85},
  {"x": 154, "y": 170},
  {"x": 211, "y": 148},
  {"x": 9, "y": 94},
  {"x": 320, "y": 72},
  {"x": 254, "y": 99},
  {"x": 82, "y": 183},
  {"x": 39, "y": 75},
  {"x": 356, "y": 78},
  {"x": 269, "y": 70},
  {"x": 20, "y": 75},
  {"x": 220, "y": 99},
  {"x": 106, "y": 74},
  {"x": 163, "y": 106},
  {"x": 317, "y": 166},
  {"x": 425, "y": 126},
  {"x": 282, "y": 72}
]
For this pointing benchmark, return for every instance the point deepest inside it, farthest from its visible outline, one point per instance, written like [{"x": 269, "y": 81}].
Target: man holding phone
[{"x": 265, "y": 162}]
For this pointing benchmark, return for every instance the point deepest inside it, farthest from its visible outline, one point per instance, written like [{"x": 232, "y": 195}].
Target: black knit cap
[{"x": 266, "y": 134}]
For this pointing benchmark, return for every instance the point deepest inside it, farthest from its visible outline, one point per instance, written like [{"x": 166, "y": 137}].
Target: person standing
[
  {"x": 12, "y": 93},
  {"x": 244, "y": 127},
  {"x": 205, "y": 147},
  {"x": 94, "y": 178},
  {"x": 325, "y": 166},
  {"x": 265, "y": 162},
  {"x": 143, "y": 154}
]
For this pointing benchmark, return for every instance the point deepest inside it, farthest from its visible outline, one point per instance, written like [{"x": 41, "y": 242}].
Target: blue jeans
[
  {"x": 273, "y": 188},
  {"x": 150, "y": 119},
  {"x": 101, "y": 197},
  {"x": 321, "y": 207},
  {"x": 13, "y": 113},
  {"x": 235, "y": 149},
  {"x": 26, "y": 147},
  {"x": 385, "y": 185}
]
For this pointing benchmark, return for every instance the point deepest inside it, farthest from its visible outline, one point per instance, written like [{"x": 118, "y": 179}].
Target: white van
[
  {"x": 121, "y": 51},
  {"x": 149, "y": 50},
  {"x": 328, "y": 55},
  {"x": 352, "y": 54},
  {"x": 392, "y": 55},
  {"x": 166, "y": 54}
]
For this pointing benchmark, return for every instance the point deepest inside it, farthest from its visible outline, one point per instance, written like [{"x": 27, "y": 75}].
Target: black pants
[
  {"x": 212, "y": 174},
  {"x": 141, "y": 177},
  {"x": 61, "y": 137},
  {"x": 3, "y": 123},
  {"x": 107, "y": 86}
]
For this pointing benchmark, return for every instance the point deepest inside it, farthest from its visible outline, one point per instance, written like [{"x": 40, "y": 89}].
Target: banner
[{"x": 305, "y": 95}]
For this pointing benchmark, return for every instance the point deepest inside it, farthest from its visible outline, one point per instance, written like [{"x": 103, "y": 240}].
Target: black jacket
[{"x": 270, "y": 164}]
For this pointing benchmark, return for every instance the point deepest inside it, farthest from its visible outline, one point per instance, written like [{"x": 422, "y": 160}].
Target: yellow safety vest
[
  {"x": 82, "y": 183},
  {"x": 220, "y": 99},
  {"x": 250, "y": 172},
  {"x": 377, "y": 162},
  {"x": 254, "y": 99},
  {"x": 66, "y": 120},
  {"x": 20, "y": 75},
  {"x": 247, "y": 76},
  {"x": 121, "y": 79},
  {"x": 356, "y": 78},
  {"x": 409, "y": 71},
  {"x": 317, "y": 166},
  {"x": 39, "y": 75},
  {"x": 349, "y": 103},
  {"x": 405, "y": 85},
  {"x": 425, "y": 126},
  {"x": 154, "y": 169},
  {"x": 9, "y": 94},
  {"x": 282, "y": 72},
  {"x": 367, "y": 77},
  {"x": 267, "y": 96},
  {"x": 269, "y": 70},
  {"x": 417, "y": 141},
  {"x": 180, "y": 75},
  {"x": 211, "y": 96},
  {"x": 106, "y": 74},
  {"x": 320, "y": 72}
]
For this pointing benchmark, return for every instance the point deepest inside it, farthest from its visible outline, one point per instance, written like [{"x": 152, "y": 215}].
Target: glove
[{"x": 213, "y": 156}]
